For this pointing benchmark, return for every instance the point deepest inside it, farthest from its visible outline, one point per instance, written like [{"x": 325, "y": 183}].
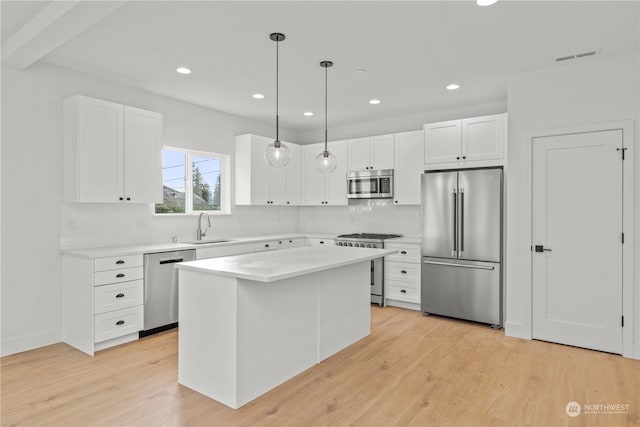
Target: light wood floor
[{"x": 412, "y": 370}]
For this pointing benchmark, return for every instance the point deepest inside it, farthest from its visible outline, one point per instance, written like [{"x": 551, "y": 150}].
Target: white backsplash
[
  {"x": 85, "y": 225},
  {"x": 363, "y": 216}
]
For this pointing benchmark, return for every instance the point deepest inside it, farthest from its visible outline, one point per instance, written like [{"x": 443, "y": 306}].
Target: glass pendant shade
[
  {"x": 326, "y": 162},
  {"x": 277, "y": 154}
]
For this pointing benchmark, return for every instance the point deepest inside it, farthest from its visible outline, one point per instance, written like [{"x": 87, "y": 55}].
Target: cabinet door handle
[
  {"x": 403, "y": 252},
  {"x": 120, "y": 275},
  {"x": 120, "y": 198},
  {"x": 128, "y": 198},
  {"x": 120, "y": 322},
  {"x": 120, "y": 296},
  {"x": 403, "y": 291},
  {"x": 266, "y": 246},
  {"x": 120, "y": 261},
  {"x": 322, "y": 242},
  {"x": 403, "y": 271}
]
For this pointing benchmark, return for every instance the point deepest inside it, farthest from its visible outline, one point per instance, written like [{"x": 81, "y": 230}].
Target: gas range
[
  {"x": 364, "y": 240},
  {"x": 370, "y": 240}
]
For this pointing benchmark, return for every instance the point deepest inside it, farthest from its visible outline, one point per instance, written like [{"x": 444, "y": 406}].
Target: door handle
[
  {"x": 461, "y": 192},
  {"x": 455, "y": 220},
  {"x": 541, "y": 248},
  {"x": 450, "y": 264}
]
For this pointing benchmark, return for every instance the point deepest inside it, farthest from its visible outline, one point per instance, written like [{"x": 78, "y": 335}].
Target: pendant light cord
[
  {"x": 277, "y": 88},
  {"x": 325, "y": 107}
]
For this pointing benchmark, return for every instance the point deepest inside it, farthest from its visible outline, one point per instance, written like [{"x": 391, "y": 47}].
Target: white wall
[
  {"x": 401, "y": 123},
  {"x": 373, "y": 217},
  {"x": 34, "y": 221},
  {"x": 587, "y": 91}
]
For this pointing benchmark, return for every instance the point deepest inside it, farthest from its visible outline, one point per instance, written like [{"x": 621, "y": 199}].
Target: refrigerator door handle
[
  {"x": 461, "y": 226},
  {"x": 450, "y": 264},
  {"x": 455, "y": 223}
]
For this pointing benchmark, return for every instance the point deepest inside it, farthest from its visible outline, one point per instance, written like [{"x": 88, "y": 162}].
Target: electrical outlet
[
  {"x": 72, "y": 224},
  {"x": 140, "y": 222}
]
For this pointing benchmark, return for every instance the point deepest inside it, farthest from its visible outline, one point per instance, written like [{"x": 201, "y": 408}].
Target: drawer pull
[
  {"x": 403, "y": 271},
  {"x": 403, "y": 291},
  {"x": 120, "y": 296},
  {"x": 120, "y": 275},
  {"x": 403, "y": 252},
  {"x": 120, "y": 322},
  {"x": 120, "y": 261},
  {"x": 322, "y": 242},
  {"x": 266, "y": 246}
]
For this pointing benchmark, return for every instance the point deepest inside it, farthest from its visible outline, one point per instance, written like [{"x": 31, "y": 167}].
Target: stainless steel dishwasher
[{"x": 161, "y": 289}]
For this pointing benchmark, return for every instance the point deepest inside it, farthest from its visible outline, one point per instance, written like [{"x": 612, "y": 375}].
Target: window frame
[{"x": 225, "y": 183}]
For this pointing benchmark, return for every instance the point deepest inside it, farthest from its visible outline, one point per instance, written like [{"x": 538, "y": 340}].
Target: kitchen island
[{"x": 250, "y": 322}]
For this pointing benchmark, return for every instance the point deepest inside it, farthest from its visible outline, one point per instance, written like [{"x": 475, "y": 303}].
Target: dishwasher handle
[{"x": 171, "y": 261}]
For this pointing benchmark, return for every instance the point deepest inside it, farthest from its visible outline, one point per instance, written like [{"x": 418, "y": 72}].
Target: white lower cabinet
[
  {"x": 402, "y": 276},
  {"x": 103, "y": 302},
  {"x": 227, "y": 250},
  {"x": 314, "y": 241}
]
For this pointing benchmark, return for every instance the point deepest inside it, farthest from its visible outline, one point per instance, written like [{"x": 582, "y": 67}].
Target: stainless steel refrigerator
[{"x": 461, "y": 244}]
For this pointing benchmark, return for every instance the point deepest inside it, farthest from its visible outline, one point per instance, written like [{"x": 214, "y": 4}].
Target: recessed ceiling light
[
  {"x": 183, "y": 70},
  {"x": 308, "y": 113},
  {"x": 453, "y": 86},
  {"x": 361, "y": 71},
  {"x": 374, "y": 102},
  {"x": 257, "y": 96},
  {"x": 485, "y": 2}
]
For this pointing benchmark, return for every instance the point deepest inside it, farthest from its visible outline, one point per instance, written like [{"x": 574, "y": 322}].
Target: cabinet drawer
[
  {"x": 402, "y": 271},
  {"x": 118, "y": 295},
  {"x": 406, "y": 253},
  {"x": 267, "y": 246},
  {"x": 214, "y": 252},
  {"x": 118, "y": 323},
  {"x": 115, "y": 263},
  {"x": 398, "y": 291},
  {"x": 117, "y": 276}
]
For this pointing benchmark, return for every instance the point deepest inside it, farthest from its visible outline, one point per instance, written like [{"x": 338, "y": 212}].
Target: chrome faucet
[{"x": 200, "y": 233}]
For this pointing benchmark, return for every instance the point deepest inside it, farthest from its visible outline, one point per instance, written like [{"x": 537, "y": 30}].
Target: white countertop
[
  {"x": 283, "y": 264},
  {"x": 166, "y": 247}
]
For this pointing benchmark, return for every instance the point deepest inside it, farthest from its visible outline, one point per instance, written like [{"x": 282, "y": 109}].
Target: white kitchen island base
[{"x": 239, "y": 338}]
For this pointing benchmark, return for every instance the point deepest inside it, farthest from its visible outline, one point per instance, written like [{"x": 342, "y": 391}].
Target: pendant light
[
  {"x": 325, "y": 162},
  {"x": 277, "y": 154}
]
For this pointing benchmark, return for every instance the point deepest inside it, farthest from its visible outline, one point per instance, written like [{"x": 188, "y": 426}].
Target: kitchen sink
[{"x": 202, "y": 242}]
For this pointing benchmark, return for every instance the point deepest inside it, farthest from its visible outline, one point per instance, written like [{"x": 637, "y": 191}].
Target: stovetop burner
[{"x": 368, "y": 236}]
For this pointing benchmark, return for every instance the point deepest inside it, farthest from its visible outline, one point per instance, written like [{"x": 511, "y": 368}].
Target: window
[{"x": 207, "y": 175}]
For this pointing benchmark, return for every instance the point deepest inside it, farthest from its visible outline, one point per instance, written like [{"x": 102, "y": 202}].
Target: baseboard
[
  {"x": 517, "y": 330},
  {"x": 402, "y": 304},
  {"x": 22, "y": 343}
]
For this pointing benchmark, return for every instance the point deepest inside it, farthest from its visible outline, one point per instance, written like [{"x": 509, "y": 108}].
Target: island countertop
[{"x": 272, "y": 266}]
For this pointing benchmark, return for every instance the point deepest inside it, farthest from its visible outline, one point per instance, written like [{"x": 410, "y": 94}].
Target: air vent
[{"x": 577, "y": 55}]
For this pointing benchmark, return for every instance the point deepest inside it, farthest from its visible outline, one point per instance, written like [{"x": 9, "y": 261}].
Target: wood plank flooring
[{"x": 411, "y": 371}]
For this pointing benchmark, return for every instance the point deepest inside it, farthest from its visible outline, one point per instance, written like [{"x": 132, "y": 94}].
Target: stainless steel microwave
[{"x": 373, "y": 184}]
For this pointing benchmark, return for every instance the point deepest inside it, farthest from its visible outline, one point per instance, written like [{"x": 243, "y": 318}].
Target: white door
[
  {"x": 314, "y": 181},
  {"x": 336, "y": 184},
  {"x": 381, "y": 152},
  {"x": 483, "y": 138},
  {"x": 577, "y": 221},
  {"x": 408, "y": 166}
]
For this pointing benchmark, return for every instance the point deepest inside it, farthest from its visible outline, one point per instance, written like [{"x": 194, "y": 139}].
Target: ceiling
[{"x": 410, "y": 50}]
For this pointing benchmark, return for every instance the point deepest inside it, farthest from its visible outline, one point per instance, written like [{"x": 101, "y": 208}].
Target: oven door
[{"x": 363, "y": 188}]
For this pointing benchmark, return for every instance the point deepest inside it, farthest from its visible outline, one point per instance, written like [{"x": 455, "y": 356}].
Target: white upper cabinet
[
  {"x": 472, "y": 142},
  {"x": 258, "y": 183},
  {"x": 408, "y": 155},
  {"x": 442, "y": 141},
  {"x": 143, "y": 155},
  {"x": 112, "y": 153},
  {"x": 370, "y": 153},
  {"x": 325, "y": 189}
]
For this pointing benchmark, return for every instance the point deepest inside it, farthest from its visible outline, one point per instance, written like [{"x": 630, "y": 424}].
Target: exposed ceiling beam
[{"x": 51, "y": 28}]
